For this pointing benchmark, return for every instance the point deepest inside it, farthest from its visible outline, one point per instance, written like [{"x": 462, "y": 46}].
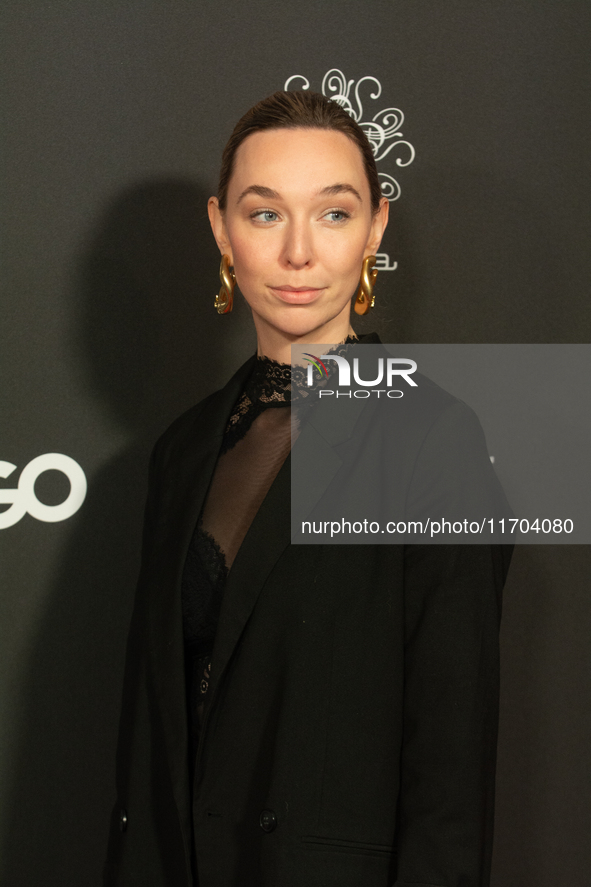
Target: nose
[{"x": 298, "y": 245}]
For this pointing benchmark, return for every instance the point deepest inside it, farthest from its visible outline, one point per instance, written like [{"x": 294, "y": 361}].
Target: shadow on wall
[
  {"x": 149, "y": 344},
  {"x": 151, "y": 338}
]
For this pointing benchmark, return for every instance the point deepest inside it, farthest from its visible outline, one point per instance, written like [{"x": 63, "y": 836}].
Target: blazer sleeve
[{"x": 452, "y": 614}]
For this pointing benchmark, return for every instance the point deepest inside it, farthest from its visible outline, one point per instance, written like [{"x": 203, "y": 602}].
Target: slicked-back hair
[{"x": 298, "y": 110}]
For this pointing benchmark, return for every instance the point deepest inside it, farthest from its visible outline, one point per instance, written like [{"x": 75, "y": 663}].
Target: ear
[
  {"x": 218, "y": 226},
  {"x": 378, "y": 226}
]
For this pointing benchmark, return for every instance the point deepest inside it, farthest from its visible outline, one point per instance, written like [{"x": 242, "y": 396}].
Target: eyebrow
[
  {"x": 329, "y": 191},
  {"x": 261, "y": 191},
  {"x": 340, "y": 188}
]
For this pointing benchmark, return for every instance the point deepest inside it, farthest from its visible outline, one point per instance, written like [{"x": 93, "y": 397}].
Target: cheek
[
  {"x": 251, "y": 260},
  {"x": 252, "y": 266},
  {"x": 344, "y": 256}
]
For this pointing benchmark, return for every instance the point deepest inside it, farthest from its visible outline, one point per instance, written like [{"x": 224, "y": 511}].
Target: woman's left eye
[
  {"x": 337, "y": 215},
  {"x": 265, "y": 215}
]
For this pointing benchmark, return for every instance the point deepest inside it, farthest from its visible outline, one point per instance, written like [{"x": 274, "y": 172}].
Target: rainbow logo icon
[{"x": 315, "y": 361}]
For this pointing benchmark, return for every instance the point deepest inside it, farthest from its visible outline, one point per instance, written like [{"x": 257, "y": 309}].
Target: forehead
[{"x": 302, "y": 160}]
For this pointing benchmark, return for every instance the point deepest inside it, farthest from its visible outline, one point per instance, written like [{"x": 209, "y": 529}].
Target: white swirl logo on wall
[
  {"x": 22, "y": 498},
  {"x": 382, "y": 130}
]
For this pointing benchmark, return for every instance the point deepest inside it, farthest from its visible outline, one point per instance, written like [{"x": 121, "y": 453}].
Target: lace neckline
[{"x": 275, "y": 384}]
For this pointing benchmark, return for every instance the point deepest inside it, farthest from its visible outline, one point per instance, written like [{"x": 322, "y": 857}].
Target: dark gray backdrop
[{"x": 114, "y": 118}]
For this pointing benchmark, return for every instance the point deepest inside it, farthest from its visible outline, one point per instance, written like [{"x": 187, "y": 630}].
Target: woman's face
[{"x": 298, "y": 224}]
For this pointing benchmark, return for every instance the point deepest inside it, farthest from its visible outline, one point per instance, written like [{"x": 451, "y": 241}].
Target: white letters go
[{"x": 22, "y": 499}]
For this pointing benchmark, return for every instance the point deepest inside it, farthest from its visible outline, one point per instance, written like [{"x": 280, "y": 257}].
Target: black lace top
[{"x": 256, "y": 442}]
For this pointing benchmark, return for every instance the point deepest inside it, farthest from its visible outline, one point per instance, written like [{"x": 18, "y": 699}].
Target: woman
[{"x": 297, "y": 715}]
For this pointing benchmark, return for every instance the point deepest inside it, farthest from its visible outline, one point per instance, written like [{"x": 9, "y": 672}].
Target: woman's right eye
[{"x": 265, "y": 215}]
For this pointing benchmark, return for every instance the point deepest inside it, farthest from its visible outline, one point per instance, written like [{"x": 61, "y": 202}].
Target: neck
[{"x": 276, "y": 344}]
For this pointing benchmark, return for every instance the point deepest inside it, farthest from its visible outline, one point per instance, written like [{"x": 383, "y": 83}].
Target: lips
[{"x": 297, "y": 295}]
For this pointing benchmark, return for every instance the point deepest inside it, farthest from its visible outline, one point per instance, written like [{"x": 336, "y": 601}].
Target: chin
[{"x": 300, "y": 323}]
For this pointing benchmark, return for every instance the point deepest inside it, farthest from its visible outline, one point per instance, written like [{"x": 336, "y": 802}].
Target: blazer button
[
  {"x": 123, "y": 820},
  {"x": 268, "y": 821}
]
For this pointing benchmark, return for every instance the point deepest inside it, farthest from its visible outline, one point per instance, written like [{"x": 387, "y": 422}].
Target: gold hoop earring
[
  {"x": 225, "y": 298},
  {"x": 365, "y": 299}
]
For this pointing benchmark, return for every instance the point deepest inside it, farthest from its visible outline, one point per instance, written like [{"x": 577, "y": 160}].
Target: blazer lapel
[
  {"x": 266, "y": 539},
  {"x": 315, "y": 459},
  {"x": 187, "y": 465},
  {"x": 270, "y": 532}
]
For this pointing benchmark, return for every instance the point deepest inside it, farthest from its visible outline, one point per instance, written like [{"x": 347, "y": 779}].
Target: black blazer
[{"x": 350, "y": 731}]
